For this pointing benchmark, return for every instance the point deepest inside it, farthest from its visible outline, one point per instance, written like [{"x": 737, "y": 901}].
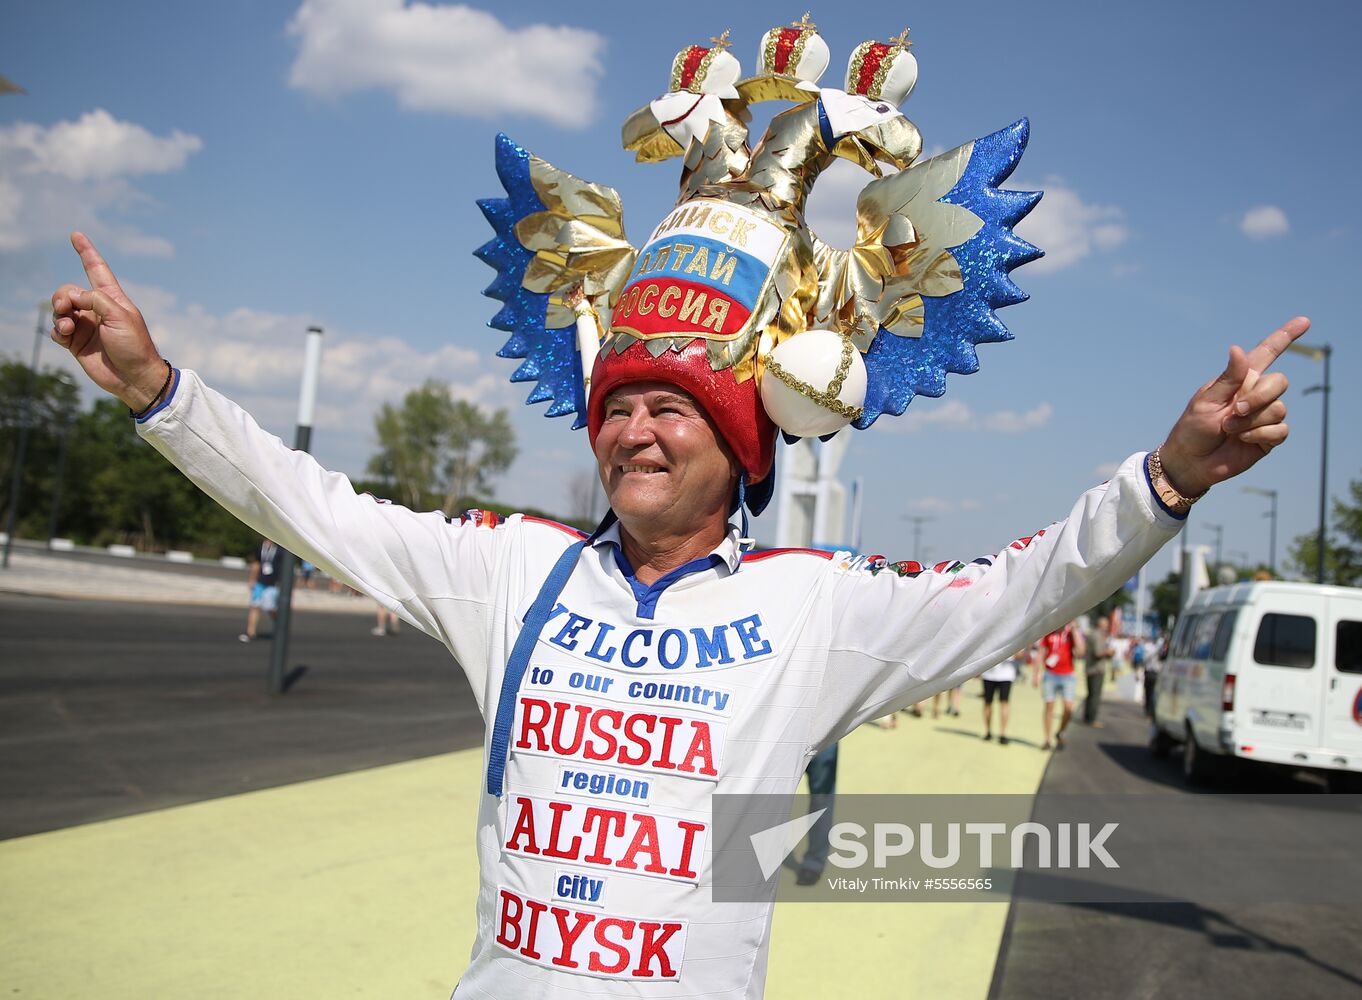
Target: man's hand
[
  {"x": 1233, "y": 420},
  {"x": 106, "y": 334}
]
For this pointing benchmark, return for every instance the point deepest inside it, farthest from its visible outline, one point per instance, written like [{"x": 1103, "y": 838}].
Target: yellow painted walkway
[{"x": 363, "y": 885}]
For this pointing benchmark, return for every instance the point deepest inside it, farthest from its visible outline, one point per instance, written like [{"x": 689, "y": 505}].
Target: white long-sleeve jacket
[{"x": 641, "y": 702}]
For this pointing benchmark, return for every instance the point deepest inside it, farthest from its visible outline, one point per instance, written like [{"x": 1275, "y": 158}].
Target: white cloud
[
  {"x": 447, "y": 58},
  {"x": 954, "y": 415},
  {"x": 1262, "y": 222},
  {"x": 74, "y": 174},
  {"x": 11, "y": 204},
  {"x": 141, "y": 245},
  {"x": 96, "y": 146},
  {"x": 1069, "y": 229}
]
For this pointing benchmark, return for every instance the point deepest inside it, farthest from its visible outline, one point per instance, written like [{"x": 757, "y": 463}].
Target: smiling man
[
  {"x": 679, "y": 448},
  {"x": 628, "y": 677},
  {"x": 668, "y": 473}
]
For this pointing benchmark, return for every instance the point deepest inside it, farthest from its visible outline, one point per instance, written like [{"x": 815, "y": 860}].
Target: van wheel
[
  {"x": 1198, "y": 767},
  {"x": 1160, "y": 743}
]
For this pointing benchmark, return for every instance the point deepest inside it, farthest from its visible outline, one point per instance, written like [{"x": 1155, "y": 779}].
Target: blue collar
[{"x": 727, "y": 554}]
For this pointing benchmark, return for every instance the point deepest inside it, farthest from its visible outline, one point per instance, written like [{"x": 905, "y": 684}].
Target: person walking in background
[
  {"x": 952, "y": 702},
  {"x": 998, "y": 682},
  {"x": 1152, "y": 661},
  {"x": 822, "y": 776},
  {"x": 1097, "y": 662},
  {"x": 264, "y": 585},
  {"x": 1058, "y": 651},
  {"x": 385, "y": 622}
]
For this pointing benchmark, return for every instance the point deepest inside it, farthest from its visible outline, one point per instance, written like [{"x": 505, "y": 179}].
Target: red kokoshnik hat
[{"x": 735, "y": 407}]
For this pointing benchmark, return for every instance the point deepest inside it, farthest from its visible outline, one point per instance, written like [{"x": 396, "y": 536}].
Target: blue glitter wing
[
  {"x": 898, "y": 368},
  {"x": 549, "y": 356}
]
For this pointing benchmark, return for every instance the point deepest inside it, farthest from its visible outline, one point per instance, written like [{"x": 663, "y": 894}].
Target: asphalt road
[
  {"x": 109, "y": 709},
  {"x": 1174, "y": 948}
]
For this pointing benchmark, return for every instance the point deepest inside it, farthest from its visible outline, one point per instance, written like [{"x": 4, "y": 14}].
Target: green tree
[
  {"x": 1342, "y": 543},
  {"x": 436, "y": 451},
  {"x": 481, "y": 447},
  {"x": 118, "y": 489},
  {"x": 126, "y": 491},
  {"x": 1168, "y": 597},
  {"x": 52, "y": 411}
]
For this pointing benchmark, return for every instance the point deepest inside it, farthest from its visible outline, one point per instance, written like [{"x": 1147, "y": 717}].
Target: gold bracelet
[{"x": 1164, "y": 489}]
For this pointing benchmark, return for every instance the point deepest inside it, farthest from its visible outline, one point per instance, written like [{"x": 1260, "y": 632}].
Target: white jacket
[{"x": 640, "y": 702}]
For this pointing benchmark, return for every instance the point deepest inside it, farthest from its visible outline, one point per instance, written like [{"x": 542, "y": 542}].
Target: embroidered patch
[
  {"x": 638, "y": 841},
  {"x": 480, "y": 518},
  {"x": 662, "y": 742},
  {"x": 586, "y": 943},
  {"x": 910, "y": 568},
  {"x": 1022, "y": 543},
  {"x": 904, "y": 567}
]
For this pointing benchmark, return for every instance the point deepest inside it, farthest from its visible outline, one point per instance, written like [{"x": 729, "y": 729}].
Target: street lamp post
[
  {"x": 63, "y": 442},
  {"x": 279, "y": 682},
  {"x": 918, "y": 521},
  {"x": 1185, "y": 567},
  {"x": 1321, "y": 353},
  {"x": 1272, "y": 530},
  {"x": 25, "y": 426},
  {"x": 1219, "y": 530}
]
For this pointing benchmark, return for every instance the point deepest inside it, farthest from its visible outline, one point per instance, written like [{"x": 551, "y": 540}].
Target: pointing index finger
[
  {"x": 1275, "y": 343},
  {"x": 96, "y": 268}
]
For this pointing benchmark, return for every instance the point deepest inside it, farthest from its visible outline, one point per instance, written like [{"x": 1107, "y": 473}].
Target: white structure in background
[
  {"x": 811, "y": 502},
  {"x": 1200, "y": 577}
]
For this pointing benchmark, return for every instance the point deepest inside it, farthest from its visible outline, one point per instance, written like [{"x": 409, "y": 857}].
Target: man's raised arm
[
  {"x": 437, "y": 576},
  {"x": 903, "y": 636}
]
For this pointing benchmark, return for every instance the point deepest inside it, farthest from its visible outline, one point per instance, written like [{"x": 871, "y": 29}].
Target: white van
[{"x": 1268, "y": 672}]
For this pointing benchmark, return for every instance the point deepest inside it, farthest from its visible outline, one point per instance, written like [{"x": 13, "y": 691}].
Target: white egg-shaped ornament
[{"x": 814, "y": 383}]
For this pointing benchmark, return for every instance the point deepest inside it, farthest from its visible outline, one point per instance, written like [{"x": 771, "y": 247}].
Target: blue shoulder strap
[{"x": 535, "y": 619}]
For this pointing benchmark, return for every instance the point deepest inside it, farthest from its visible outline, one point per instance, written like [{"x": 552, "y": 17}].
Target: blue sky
[{"x": 254, "y": 167}]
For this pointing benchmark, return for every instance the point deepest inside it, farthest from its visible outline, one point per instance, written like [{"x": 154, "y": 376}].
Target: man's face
[{"x": 662, "y": 462}]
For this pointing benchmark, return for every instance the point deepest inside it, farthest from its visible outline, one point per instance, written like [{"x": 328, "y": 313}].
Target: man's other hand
[
  {"x": 1233, "y": 420},
  {"x": 106, "y": 333}
]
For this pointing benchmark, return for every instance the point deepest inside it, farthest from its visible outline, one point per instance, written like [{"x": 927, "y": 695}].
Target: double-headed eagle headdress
[{"x": 731, "y": 295}]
